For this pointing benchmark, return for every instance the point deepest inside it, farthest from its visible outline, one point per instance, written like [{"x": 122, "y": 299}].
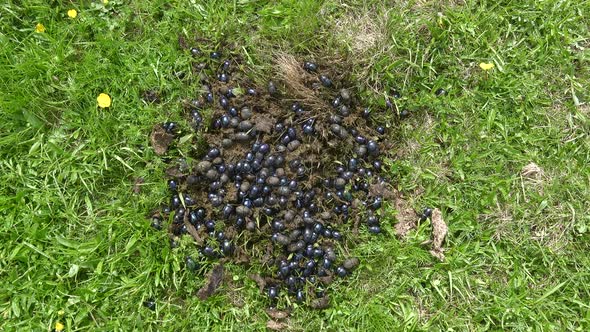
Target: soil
[
  {"x": 439, "y": 232},
  {"x": 213, "y": 281},
  {"x": 160, "y": 139},
  {"x": 320, "y": 153}
]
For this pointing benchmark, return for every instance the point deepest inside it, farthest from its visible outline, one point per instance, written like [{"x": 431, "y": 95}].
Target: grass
[{"x": 76, "y": 246}]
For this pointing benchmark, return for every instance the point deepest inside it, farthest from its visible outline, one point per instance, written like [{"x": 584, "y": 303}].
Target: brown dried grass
[
  {"x": 292, "y": 74},
  {"x": 362, "y": 31}
]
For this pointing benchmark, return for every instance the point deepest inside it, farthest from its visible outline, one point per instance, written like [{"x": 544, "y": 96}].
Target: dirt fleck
[
  {"x": 241, "y": 257},
  {"x": 356, "y": 203},
  {"x": 532, "y": 171},
  {"x": 151, "y": 96},
  {"x": 439, "y": 232},
  {"x": 259, "y": 281},
  {"x": 267, "y": 258},
  {"x": 174, "y": 172},
  {"x": 263, "y": 123},
  {"x": 193, "y": 231},
  {"x": 406, "y": 216},
  {"x": 356, "y": 224},
  {"x": 182, "y": 42},
  {"x": 160, "y": 139},
  {"x": 137, "y": 185},
  {"x": 213, "y": 281},
  {"x": 381, "y": 189},
  {"x": 277, "y": 314},
  {"x": 351, "y": 263},
  {"x": 320, "y": 303},
  {"x": 326, "y": 280},
  {"x": 275, "y": 326}
]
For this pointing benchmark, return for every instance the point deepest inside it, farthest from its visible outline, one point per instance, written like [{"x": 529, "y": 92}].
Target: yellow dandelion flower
[
  {"x": 486, "y": 66},
  {"x": 72, "y": 13},
  {"x": 103, "y": 100},
  {"x": 106, "y": 2},
  {"x": 59, "y": 326},
  {"x": 39, "y": 28}
]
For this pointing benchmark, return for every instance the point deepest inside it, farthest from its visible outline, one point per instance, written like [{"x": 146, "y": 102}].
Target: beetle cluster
[{"x": 295, "y": 181}]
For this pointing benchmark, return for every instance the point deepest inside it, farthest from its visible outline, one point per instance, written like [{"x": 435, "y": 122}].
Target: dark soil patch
[
  {"x": 151, "y": 96},
  {"x": 278, "y": 175}
]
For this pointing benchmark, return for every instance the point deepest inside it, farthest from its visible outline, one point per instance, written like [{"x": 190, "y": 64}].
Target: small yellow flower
[
  {"x": 106, "y": 2},
  {"x": 486, "y": 66},
  {"x": 72, "y": 13},
  {"x": 103, "y": 100},
  {"x": 59, "y": 326},
  {"x": 39, "y": 28}
]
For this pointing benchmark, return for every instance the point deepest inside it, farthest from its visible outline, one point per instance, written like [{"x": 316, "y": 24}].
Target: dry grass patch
[{"x": 363, "y": 31}]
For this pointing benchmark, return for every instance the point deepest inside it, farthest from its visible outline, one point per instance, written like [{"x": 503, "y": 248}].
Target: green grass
[{"x": 75, "y": 238}]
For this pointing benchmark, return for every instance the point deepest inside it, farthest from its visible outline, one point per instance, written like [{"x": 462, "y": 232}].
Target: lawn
[{"x": 504, "y": 154}]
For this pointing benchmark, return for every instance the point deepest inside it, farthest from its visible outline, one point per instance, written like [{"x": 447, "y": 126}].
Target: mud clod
[
  {"x": 160, "y": 139},
  {"x": 213, "y": 281}
]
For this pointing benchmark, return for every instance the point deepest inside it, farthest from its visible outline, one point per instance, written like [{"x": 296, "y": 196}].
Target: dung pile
[{"x": 289, "y": 174}]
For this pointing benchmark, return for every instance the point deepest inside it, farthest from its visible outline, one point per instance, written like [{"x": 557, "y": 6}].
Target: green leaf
[
  {"x": 15, "y": 307},
  {"x": 99, "y": 267},
  {"x": 185, "y": 138},
  {"x": 32, "y": 119},
  {"x": 73, "y": 270},
  {"x": 131, "y": 242}
]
